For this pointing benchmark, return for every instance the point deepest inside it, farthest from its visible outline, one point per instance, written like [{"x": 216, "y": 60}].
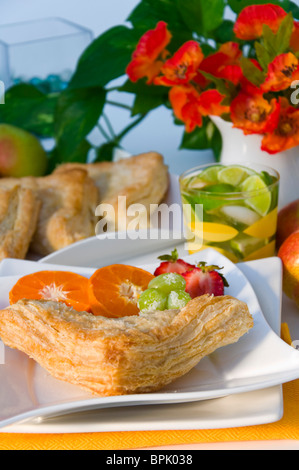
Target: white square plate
[{"x": 260, "y": 360}]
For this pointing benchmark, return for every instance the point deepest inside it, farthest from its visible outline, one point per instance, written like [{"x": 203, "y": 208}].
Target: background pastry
[
  {"x": 67, "y": 214},
  {"x": 141, "y": 179},
  {"x": 19, "y": 210},
  {"x": 67, "y": 203}
]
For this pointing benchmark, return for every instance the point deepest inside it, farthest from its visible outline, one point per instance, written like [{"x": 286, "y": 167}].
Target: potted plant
[
  {"x": 227, "y": 80},
  {"x": 248, "y": 87}
]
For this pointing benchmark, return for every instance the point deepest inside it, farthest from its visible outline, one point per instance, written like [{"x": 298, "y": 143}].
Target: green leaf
[
  {"x": 147, "y": 97},
  {"x": 274, "y": 44},
  {"x": 57, "y": 155},
  {"x": 294, "y": 9},
  {"x": 251, "y": 72},
  {"x": 106, "y": 58},
  {"x": 30, "y": 109},
  {"x": 206, "y": 137},
  {"x": 77, "y": 113},
  {"x": 224, "y": 32},
  {"x": 148, "y": 13},
  {"x": 106, "y": 151},
  {"x": 199, "y": 17},
  {"x": 281, "y": 40},
  {"x": 220, "y": 84}
]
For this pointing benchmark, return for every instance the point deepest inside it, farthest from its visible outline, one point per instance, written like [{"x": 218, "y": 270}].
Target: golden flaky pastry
[
  {"x": 19, "y": 210},
  {"x": 141, "y": 179},
  {"x": 135, "y": 354},
  {"x": 67, "y": 208}
]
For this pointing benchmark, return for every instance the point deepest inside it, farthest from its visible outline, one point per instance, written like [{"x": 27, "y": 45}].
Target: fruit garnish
[
  {"x": 59, "y": 286},
  {"x": 234, "y": 174},
  {"x": 151, "y": 300},
  {"x": 178, "y": 299},
  {"x": 205, "y": 279},
  {"x": 168, "y": 282},
  {"x": 172, "y": 264},
  {"x": 262, "y": 201},
  {"x": 114, "y": 290}
]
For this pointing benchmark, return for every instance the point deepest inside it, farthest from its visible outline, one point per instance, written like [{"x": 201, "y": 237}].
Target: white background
[{"x": 157, "y": 132}]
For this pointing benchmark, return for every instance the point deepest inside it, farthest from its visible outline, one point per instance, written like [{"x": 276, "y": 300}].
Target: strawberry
[
  {"x": 173, "y": 264},
  {"x": 204, "y": 280}
]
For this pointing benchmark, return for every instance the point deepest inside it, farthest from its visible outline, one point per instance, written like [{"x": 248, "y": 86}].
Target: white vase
[{"x": 240, "y": 148}]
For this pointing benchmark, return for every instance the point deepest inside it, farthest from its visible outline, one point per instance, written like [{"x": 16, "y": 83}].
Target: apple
[
  {"x": 287, "y": 222},
  {"x": 289, "y": 255},
  {"x": 21, "y": 153}
]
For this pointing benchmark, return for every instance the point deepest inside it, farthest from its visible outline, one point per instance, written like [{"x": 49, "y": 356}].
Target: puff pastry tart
[{"x": 115, "y": 356}]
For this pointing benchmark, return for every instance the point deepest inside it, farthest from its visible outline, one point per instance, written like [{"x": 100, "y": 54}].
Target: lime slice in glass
[
  {"x": 210, "y": 174},
  {"x": 245, "y": 245},
  {"x": 233, "y": 174},
  {"x": 261, "y": 202}
]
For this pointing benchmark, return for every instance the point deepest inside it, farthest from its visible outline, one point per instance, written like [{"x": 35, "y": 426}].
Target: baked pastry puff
[
  {"x": 141, "y": 179},
  {"x": 19, "y": 210},
  {"x": 67, "y": 204},
  {"x": 116, "y": 356}
]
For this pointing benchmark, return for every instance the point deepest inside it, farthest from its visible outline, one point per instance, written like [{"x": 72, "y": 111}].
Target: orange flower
[
  {"x": 250, "y": 22},
  {"x": 281, "y": 72},
  {"x": 225, "y": 63},
  {"x": 286, "y": 134},
  {"x": 294, "y": 42},
  {"x": 182, "y": 66},
  {"x": 253, "y": 114},
  {"x": 189, "y": 105},
  {"x": 146, "y": 59},
  {"x": 210, "y": 103},
  {"x": 184, "y": 101}
]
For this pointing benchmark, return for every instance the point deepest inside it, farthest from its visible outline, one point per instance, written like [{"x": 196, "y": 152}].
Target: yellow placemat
[{"x": 286, "y": 428}]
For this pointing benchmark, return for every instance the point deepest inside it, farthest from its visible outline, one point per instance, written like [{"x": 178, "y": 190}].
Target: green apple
[{"x": 21, "y": 153}]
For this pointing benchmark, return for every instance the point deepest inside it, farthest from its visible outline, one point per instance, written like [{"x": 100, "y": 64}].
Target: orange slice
[
  {"x": 60, "y": 286},
  {"x": 114, "y": 290}
]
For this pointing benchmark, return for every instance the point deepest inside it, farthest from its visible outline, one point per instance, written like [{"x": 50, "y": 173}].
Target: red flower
[
  {"x": 254, "y": 114},
  {"x": 182, "y": 67},
  {"x": 281, "y": 72},
  {"x": 146, "y": 59},
  {"x": 225, "y": 63},
  {"x": 286, "y": 134},
  {"x": 250, "y": 22},
  {"x": 294, "y": 42},
  {"x": 184, "y": 101},
  {"x": 210, "y": 103}
]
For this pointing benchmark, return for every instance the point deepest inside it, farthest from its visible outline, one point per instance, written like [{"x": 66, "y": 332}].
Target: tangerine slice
[
  {"x": 59, "y": 286},
  {"x": 114, "y": 290}
]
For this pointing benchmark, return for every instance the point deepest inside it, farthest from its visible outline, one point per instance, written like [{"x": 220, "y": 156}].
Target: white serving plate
[{"x": 260, "y": 360}]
